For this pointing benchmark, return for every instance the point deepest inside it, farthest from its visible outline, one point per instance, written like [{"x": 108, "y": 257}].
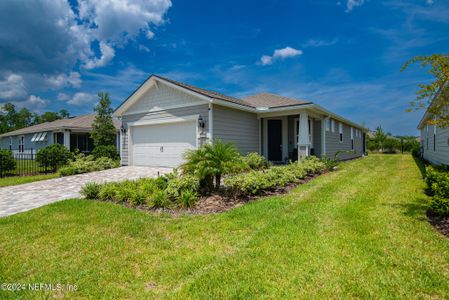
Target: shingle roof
[
  {"x": 271, "y": 100},
  {"x": 81, "y": 122},
  {"x": 208, "y": 93}
]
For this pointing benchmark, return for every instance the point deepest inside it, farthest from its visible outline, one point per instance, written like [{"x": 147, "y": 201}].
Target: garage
[{"x": 162, "y": 145}]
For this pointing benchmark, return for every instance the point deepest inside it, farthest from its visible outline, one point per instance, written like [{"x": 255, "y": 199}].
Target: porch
[{"x": 289, "y": 137}]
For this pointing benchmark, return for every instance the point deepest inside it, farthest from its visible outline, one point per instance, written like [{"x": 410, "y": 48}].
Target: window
[
  {"x": 328, "y": 125},
  {"x": 332, "y": 125},
  {"x": 434, "y": 137},
  {"x": 22, "y": 143},
  {"x": 352, "y": 138},
  {"x": 42, "y": 137},
  {"x": 10, "y": 143},
  {"x": 340, "y": 131}
]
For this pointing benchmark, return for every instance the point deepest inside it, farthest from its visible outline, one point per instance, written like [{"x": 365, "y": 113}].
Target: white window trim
[
  {"x": 340, "y": 132},
  {"x": 327, "y": 123},
  {"x": 333, "y": 125}
]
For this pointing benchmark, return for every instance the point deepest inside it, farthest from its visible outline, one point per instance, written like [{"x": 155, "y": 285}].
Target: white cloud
[
  {"x": 351, "y": 4},
  {"x": 107, "y": 54},
  {"x": 279, "y": 54},
  {"x": 430, "y": 2},
  {"x": 44, "y": 43},
  {"x": 118, "y": 21},
  {"x": 36, "y": 102},
  {"x": 12, "y": 86},
  {"x": 315, "y": 43},
  {"x": 82, "y": 98},
  {"x": 73, "y": 79}
]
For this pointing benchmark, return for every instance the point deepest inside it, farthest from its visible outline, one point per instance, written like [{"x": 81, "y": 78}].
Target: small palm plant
[{"x": 212, "y": 160}]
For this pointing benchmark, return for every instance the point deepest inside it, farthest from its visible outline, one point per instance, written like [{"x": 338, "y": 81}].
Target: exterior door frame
[{"x": 284, "y": 136}]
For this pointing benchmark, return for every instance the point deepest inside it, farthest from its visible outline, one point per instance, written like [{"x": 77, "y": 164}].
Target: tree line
[
  {"x": 384, "y": 142},
  {"x": 12, "y": 119}
]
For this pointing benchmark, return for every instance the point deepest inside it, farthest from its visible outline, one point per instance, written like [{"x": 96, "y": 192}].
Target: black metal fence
[{"x": 22, "y": 164}]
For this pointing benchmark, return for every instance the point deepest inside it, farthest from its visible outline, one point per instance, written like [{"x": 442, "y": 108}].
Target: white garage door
[{"x": 162, "y": 145}]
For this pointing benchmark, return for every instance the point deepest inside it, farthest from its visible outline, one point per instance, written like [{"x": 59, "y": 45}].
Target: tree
[
  {"x": 434, "y": 95},
  {"x": 103, "y": 130},
  {"x": 212, "y": 160},
  {"x": 64, "y": 113},
  {"x": 49, "y": 116},
  {"x": 380, "y": 137}
]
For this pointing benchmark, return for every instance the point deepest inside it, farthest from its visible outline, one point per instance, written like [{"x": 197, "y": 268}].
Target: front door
[{"x": 275, "y": 140}]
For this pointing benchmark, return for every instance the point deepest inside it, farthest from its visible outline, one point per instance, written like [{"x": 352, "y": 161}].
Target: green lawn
[
  {"x": 15, "y": 180},
  {"x": 360, "y": 232}
]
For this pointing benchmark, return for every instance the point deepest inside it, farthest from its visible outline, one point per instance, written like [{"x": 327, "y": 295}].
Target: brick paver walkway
[{"x": 19, "y": 198}]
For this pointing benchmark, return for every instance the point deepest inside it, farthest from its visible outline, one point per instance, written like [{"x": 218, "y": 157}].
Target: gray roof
[
  {"x": 80, "y": 123},
  {"x": 271, "y": 100}
]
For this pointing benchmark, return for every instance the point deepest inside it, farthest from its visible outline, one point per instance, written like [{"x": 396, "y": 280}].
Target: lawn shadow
[
  {"x": 421, "y": 166},
  {"x": 414, "y": 209}
]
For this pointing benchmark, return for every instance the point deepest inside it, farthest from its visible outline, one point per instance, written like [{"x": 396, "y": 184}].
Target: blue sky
[{"x": 344, "y": 55}]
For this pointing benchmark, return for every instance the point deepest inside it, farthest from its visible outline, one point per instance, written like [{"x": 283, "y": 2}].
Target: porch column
[
  {"x": 67, "y": 139},
  {"x": 323, "y": 135},
  {"x": 303, "y": 132}
]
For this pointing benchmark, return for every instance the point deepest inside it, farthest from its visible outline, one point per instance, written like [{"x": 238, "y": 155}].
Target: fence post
[{"x": 1, "y": 166}]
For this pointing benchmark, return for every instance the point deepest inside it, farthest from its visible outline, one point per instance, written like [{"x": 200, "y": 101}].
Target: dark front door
[{"x": 275, "y": 140}]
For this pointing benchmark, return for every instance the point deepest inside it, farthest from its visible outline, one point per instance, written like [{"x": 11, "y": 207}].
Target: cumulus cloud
[
  {"x": 44, "y": 43},
  {"x": 107, "y": 54},
  {"x": 73, "y": 79},
  {"x": 12, "y": 86},
  {"x": 36, "y": 102},
  {"x": 351, "y": 4},
  {"x": 118, "y": 21},
  {"x": 279, "y": 54},
  {"x": 81, "y": 98}
]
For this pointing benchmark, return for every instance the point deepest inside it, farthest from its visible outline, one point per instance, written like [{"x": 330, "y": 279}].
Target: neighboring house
[
  {"x": 73, "y": 132},
  {"x": 164, "y": 118},
  {"x": 434, "y": 141}
]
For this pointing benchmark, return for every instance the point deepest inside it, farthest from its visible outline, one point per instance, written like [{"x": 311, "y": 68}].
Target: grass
[
  {"x": 360, "y": 232},
  {"x": 15, "y": 180}
]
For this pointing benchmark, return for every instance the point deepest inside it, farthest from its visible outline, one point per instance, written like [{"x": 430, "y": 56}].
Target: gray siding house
[
  {"x": 74, "y": 133},
  {"x": 163, "y": 118},
  {"x": 434, "y": 142}
]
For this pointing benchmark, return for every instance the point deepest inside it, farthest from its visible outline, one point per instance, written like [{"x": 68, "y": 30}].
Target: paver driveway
[{"x": 18, "y": 198}]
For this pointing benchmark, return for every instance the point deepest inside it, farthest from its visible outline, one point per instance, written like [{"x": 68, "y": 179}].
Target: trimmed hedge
[
  {"x": 438, "y": 186},
  {"x": 85, "y": 164},
  {"x": 7, "y": 161},
  {"x": 257, "y": 182},
  {"x": 168, "y": 191}
]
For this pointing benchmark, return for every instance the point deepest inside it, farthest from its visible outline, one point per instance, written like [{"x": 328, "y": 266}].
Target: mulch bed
[
  {"x": 218, "y": 203},
  {"x": 440, "y": 223}
]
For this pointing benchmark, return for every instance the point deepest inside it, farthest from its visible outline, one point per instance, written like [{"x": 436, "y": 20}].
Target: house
[
  {"x": 434, "y": 141},
  {"x": 73, "y": 132},
  {"x": 163, "y": 118}
]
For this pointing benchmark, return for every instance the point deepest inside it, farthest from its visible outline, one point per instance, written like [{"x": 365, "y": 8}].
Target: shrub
[
  {"x": 188, "y": 198},
  {"x": 53, "y": 156},
  {"x": 178, "y": 185},
  {"x": 159, "y": 200},
  {"x": 91, "y": 190},
  {"x": 109, "y": 192},
  {"x": 256, "y": 182},
  {"x": 212, "y": 160},
  {"x": 255, "y": 161},
  {"x": 7, "y": 161},
  {"x": 331, "y": 164},
  {"x": 440, "y": 205},
  {"x": 85, "y": 164},
  {"x": 109, "y": 151}
]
